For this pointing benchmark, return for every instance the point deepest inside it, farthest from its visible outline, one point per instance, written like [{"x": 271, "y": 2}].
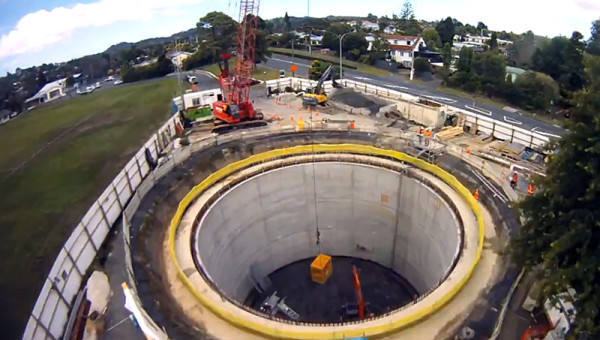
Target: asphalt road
[{"x": 429, "y": 90}]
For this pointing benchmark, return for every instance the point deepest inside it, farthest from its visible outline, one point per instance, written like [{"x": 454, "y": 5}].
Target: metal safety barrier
[
  {"x": 496, "y": 128},
  {"x": 56, "y": 300}
]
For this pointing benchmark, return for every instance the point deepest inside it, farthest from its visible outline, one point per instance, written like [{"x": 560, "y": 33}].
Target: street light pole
[{"x": 341, "y": 38}]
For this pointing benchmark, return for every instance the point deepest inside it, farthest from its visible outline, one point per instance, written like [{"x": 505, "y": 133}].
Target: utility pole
[{"x": 293, "y": 36}]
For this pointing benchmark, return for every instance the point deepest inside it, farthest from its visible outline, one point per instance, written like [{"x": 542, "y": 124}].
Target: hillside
[{"x": 117, "y": 48}]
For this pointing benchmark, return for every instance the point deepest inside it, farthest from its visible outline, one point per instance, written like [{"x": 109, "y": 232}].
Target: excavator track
[{"x": 224, "y": 128}]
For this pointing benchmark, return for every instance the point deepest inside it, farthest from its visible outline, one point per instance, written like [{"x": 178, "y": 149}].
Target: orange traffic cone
[
  {"x": 352, "y": 125},
  {"x": 292, "y": 118},
  {"x": 476, "y": 194},
  {"x": 276, "y": 101},
  {"x": 469, "y": 150},
  {"x": 301, "y": 117}
]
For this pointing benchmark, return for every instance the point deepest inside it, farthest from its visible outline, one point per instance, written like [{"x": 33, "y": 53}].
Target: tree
[
  {"x": 422, "y": 66},
  {"x": 561, "y": 231},
  {"x": 521, "y": 51},
  {"x": 372, "y": 18},
  {"x": 593, "y": 46},
  {"x": 355, "y": 41},
  {"x": 407, "y": 21},
  {"x": 464, "y": 76},
  {"x": 537, "y": 90},
  {"x": 447, "y": 55},
  {"x": 490, "y": 67},
  {"x": 481, "y": 26},
  {"x": 574, "y": 77},
  {"x": 493, "y": 42},
  {"x": 41, "y": 79},
  {"x": 562, "y": 59},
  {"x": 286, "y": 22},
  {"x": 331, "y": 41},
  {"x": 432, "y": 39},
  {"x": 339, "y": 28},
  {"x": 220, "y": 37},
  {"x": 317, "y": 68},
  {"x": 445, "y": 29}
]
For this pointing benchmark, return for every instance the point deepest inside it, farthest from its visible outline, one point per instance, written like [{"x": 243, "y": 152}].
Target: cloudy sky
[{"x": 37, "y": 31}]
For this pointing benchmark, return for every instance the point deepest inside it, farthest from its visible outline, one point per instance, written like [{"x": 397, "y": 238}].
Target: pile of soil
[{"x": 357, "y": 99}]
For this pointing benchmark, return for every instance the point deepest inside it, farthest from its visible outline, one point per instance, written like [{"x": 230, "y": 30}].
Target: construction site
[{"x": 320, "y": 209}]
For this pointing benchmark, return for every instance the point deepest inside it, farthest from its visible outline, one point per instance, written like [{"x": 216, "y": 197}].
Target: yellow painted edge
[{"x": 395, "y": 325}]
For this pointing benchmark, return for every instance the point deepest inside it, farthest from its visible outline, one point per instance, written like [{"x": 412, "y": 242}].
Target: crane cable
[{"x": 312, "y": 140}]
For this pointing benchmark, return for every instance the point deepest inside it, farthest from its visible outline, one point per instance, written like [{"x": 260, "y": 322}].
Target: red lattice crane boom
[{"x": 236, "y": 106}]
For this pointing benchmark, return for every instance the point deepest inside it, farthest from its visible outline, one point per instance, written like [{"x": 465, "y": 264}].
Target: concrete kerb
[{"x": 266, "y": 330}]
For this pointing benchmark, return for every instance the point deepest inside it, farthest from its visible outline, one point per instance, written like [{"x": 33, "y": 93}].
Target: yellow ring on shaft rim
[{"x": 262, "y": 329}]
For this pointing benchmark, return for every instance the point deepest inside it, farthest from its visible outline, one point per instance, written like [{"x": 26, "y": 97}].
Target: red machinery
[
  {"x": 359, "y": 296},
  {"x": 236, "y": 106}
]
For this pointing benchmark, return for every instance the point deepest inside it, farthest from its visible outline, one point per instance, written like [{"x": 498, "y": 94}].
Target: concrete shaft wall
[{"x": 269, "y": 221}]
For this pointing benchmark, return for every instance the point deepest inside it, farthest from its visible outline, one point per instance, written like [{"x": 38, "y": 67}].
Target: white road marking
[
  {"x": 290, "y": 62},
  {"x": 482, "y": 111},
  {"x": 512, "y": 121},
  {"x": 543, "y": 133},
  {"x": 441, "y": 99}
]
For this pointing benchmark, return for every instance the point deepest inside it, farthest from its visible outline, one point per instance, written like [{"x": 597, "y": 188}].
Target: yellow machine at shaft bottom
[{"x": 321, "y": 268}]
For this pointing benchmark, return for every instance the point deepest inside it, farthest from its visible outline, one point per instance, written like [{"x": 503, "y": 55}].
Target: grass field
[
  {"x": 260, "y": 72},
  {"x": 68, "y": 152},
  {"x": 333, "y": 59}
]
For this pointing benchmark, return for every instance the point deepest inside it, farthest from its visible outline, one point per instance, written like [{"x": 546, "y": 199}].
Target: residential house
[
  {"x": 370, "y": 39},
  {"x": 514, "y": 72},
  {"x": 49, "y": 92},
  {"x": 390, "y": 30},
  {"x": 316, "y": 40},
  {"x": 403, "y": 48},
  {"x": 478, "y": 41},
  {"x": 178, "y": 57},
  {"x": 370, "y": 25}
]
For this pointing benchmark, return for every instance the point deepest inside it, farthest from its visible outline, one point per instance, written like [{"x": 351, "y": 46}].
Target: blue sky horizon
[{"x": 47, "y": 31}]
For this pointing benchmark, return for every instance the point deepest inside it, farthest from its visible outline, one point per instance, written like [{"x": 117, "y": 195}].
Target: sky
[{"x": 33, "y": 32}]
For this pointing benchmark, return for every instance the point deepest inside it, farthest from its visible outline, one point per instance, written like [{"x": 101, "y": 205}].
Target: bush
[
  {"x": 201, "y": 58},
  {"x": 422, "y": 66},
  {"x": 538, "y": 90}
]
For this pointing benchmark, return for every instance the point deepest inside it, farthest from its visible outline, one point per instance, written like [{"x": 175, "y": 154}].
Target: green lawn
[
  {"x": 333, "y": 59},
  {"x": 84, "y": 143},
  {"x": 260, "y": 72}
]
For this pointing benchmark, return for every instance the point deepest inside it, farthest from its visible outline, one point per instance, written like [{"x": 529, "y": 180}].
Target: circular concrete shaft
[
  {"x": 270, "y": 220},
  {"x": 417, "y": 219}
]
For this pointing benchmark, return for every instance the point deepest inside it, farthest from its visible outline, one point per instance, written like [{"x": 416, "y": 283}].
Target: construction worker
[
  {"x": 531, "y": 189},
  {"x": 420, "y": 135},
  {"x": 476, "y": 194},
  {"x": 514, "y": 181}
]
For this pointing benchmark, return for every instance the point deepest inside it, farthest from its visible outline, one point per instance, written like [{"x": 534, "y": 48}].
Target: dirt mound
[{"x": 357, "y": 99}]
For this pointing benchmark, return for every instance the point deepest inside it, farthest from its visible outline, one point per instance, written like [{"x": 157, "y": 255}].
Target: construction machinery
[
  {"x": 316, "y": 96},
  {"x": 235, "y": 108}
]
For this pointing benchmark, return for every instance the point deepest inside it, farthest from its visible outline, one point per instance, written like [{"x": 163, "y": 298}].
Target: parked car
[
  {"x": 98, "y": 85},
  {"x": 118, "y": 81},
  {"x": 110, "y": 78}
]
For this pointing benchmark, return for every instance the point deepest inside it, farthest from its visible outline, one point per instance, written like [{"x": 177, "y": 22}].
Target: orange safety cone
[
  {"x": 309, "y": 109},
  {"x": 317, "y": 114},
  {"x": 469, "y": 150},
  {"x": 476, "y": 194},
  {"x": 301, "y": 117},
  {"x": 292, "y": 118},
  {"x": 352, "y": 125},
  {"x": 276, "y": 101}
]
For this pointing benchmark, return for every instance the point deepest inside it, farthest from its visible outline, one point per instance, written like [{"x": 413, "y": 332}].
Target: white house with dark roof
[{"x": 403, "y": 48}]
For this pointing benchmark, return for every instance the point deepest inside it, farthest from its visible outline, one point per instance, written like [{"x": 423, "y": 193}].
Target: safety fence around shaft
[
  {"x": 483, "y": 120},
  {"x": 54, "y": 312}
]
